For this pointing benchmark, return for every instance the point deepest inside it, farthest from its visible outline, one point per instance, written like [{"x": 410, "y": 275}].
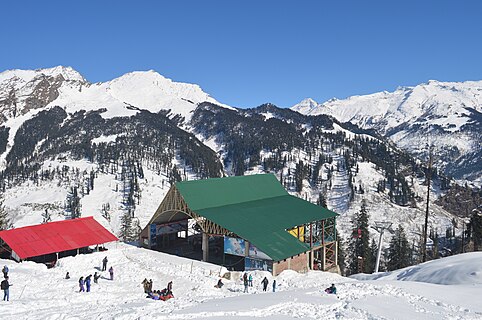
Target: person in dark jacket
[
  {"x": 274, "y": 285},
  {"x": 67, "y": 275},
  {"x": 111, "y": 272},
  {"x": 5, "y": 285},
  {"x": 265, "y": 283},
  {"x": 5, "y": 271},
  {"x": 104, "y": 264},
  {"x": 96, "y": 277},
  {"x": 169, "y": 287},
  {"x": 81, "y": 284}
]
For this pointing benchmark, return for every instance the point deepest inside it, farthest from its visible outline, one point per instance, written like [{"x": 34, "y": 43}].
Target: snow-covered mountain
[
  {"x": 24, "y": 90},
  {"x": 446, "y": 115},
  {"x": 111, "y": 150}
]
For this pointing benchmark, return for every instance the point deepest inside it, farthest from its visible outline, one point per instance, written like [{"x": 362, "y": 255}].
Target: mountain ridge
[{"x": 443, "y": 114}]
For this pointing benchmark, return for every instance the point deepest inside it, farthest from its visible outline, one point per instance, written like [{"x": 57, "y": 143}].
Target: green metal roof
[
  {"x": 257, "y": 208},
  {"x": 216, "y": 192}
]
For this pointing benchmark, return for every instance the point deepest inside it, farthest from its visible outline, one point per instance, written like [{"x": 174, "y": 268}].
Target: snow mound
[{"x": 462, "y": 269}]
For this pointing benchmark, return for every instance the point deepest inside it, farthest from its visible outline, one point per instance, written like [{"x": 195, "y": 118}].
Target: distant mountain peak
[
  {"x": 306, "y": 106},
  {"x": 68, "y": 73}
]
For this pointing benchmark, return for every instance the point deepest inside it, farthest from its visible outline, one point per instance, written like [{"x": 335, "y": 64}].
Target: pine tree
[
  {"x": 4, "y": 220},
  {"x": 359, "y": 246},
  {"x": 46, "y": 216},
  {"x": 341, "y": 253},
  {"x": 399, "y": 254},
  {"x": 73, "y": 203},
  {"x": 476, "y": 225},
  {"x": 322, "y": 200},
  {"x": 126, "y": 226},
  {"x": 106, "y": 211}
]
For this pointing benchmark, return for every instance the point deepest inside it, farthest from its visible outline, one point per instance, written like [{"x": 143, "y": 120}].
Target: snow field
[{"x": 41, "y": 293}]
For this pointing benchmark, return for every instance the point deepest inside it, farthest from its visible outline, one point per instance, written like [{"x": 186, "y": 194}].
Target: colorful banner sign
[
  {"x": 153, "y": 235},
  {"x": 234, "y": 246},
  {"x": 258, "y": 264},
  {"x": 256, "y": 253}
]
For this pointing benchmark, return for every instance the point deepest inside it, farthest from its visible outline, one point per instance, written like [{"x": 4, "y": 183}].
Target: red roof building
[{"x": 55, "y": 237}]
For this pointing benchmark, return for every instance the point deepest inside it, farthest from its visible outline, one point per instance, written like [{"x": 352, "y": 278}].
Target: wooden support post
[
  {"x": 323, "y": 232},
  {"x": 205, "y": 246},
  {"x": 323, "y": 259}
]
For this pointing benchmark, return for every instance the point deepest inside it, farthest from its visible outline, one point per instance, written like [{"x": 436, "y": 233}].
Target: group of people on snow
[
  {"x": 248, "y": 282},
  {"x": 164, "y": 294},
  {"x": 85, "y": 283},
  {"x": 5, "y": 285}
]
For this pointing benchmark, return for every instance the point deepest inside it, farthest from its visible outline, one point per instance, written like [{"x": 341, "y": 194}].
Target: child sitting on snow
[{"x": 331, "y": 290}]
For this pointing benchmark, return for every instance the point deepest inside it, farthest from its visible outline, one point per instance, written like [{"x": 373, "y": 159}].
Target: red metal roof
[{"x": 56, "y": 236}]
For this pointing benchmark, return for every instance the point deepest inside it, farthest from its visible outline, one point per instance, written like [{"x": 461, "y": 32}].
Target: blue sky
[{"x": 245, "y": 53}]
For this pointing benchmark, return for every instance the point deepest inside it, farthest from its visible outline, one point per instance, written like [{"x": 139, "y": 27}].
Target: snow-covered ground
[{"x": 41, "y": 293}]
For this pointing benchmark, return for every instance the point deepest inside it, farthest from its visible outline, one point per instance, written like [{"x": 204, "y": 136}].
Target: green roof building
[{"x": 253, "y": 220}]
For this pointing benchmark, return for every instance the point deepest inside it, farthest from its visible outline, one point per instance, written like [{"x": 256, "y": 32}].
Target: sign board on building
[
  {"x": 258, "y": 264},
  {"x": 234, "y": 246},
  {"x": 256, "y": 253}
]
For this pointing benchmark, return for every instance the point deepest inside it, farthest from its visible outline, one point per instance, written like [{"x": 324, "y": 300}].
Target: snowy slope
[
  {"x": 466, "y": 269},
  {"x": 41, "y": 293}
]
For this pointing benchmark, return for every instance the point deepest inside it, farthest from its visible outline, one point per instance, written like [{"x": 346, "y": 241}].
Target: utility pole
[
  {"x": 380, "y": 227},
  {"x": 425, "y": 229}
]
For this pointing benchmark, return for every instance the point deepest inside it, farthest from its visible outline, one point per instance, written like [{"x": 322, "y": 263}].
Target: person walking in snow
[
  {"x": 5, "y": 271},
  {"x": 274, "y": 285},
  {"x": 96, "y": 277},
  {"x": 245, "y": 282},
  {"x": 67, "y": 275},
  {"x": 265, "y": 283},
  {"x": 169, "y": 287},
  {"x": 250, "y": 280},
  {"x": 111, "y": 272},
  {"x": 87, "y": 282},
  {"x": 5, "y": 285},
  {"x": 81, "y": 284},
  {"x": 104, "y": 264}
]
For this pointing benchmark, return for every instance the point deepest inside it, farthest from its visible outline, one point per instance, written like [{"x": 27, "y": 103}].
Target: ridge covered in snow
[
  {"x": 446, "y": 100},
  {"x": 445, "y": 115},
  {"x": 123, "y": 96}
]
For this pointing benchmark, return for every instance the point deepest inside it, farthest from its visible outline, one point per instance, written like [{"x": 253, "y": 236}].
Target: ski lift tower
[{"x": 381, "y": 226}]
